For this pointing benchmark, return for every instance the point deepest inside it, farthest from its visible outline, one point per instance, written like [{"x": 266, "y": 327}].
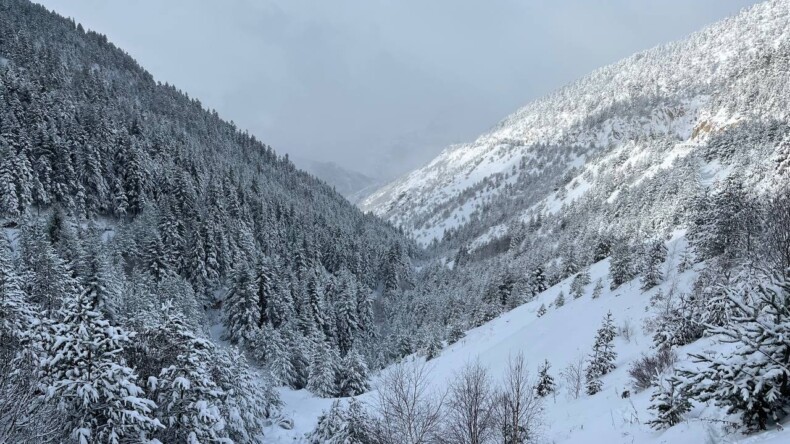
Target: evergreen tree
[
  {"x": 655, "y": 255},
  {"x": 753, "y": 378},
  {"x": 560, "y": 300},
  {"x": 538, "y": 282},
  {"x": 601, "y": 360},
  {"x": 323, "y": 371},
  {"x": 332, "y": 426},
  {"x": 241, "y": 309},
  {"x": 620, "y": 265},
  {"x": 545, "y": 385},
  {"x": 181, "y": 382},
  {"x": 581, "y": 280},
  {"x": 669, "y": 403},
  {"x": 598, "y": 289},
  {"x": 353, "y": 375},
  {"x": 84, "y": 370},
  {"x": 542, "y": 310}
]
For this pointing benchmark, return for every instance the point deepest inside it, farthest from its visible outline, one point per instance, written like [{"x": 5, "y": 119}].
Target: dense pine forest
[{"x": 134, "y": 220}]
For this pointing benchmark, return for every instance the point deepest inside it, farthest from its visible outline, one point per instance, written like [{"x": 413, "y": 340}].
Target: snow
[{"x": 561, "y": 336}]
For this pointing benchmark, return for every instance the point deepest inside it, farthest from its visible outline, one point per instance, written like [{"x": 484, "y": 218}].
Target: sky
[{"x": 381, "y": 86}]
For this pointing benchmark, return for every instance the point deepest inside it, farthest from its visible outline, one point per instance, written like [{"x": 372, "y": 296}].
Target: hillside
[
  {"x": 652, "y": 114},
  {"x": 133, "y": 219}
]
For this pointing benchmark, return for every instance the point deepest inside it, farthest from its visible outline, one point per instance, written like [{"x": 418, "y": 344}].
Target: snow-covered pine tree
[
  {"x": 542, "y": 310},
  {"x": 621, "y": 268},
  {"x": 433, "y": 346},
  {"x": 240, "y": 308},
  {"x": 251, "y": 400},
  {"x": 537, "y": 282},
  {"x": 360, "y": 426},
  {"x": 353, "y": 374},
  {"x": 581, "y": 280},
  {"x": 277, "y": 355},
  {"x": 545, "y": 385},
  {"x": 654, "y": 257},
  {"x": 598, "y": 289},
  {"x": 455, "y": 333},
  {"x": 332, "y": 426},
  {"x": 669, "y": 402},
  {"x": 83, "y": 368},
  {"x": 560, "y": 300},
  {"x": 601, "y": 360},
  {"x": 188, "y": 399},
  {"x": 753, "y": 378},
  {"x": 322, "y": 380}
]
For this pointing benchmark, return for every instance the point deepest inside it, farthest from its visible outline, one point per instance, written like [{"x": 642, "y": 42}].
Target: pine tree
[
  {"x": 560, "y": 300},
  {"x": 240, "y": 308},
  {"x": 331, "y": 427},
  {"x": 602, "y": 358},
  {"x": 669, "y": 403},
  {"x": 545, "y": 385},
  {"x": 581, "y": 280},
  {"x": 455, "y": 333},
  {"x": 753, "y": 378},
  {"x": 181, "y": 382},
  {"x": 9, "y": 201},
  {"x": 83, "y": 369},
  {"x": 655, "y": 255},
  {"x": 598, "y": 289},
  {"x": 278, "y": 357},
  {"x": 620, "y": 265},
  {"x": 353, "y": 375},
  {"x": 433, "y": 347},
  {"x": 360, "y": 425},
  {"x": 251, "y": 400},
  {"x": 538, "y": 282},
  {"x": 323, "y": 371},
  {"x": 542, "y": 310}
]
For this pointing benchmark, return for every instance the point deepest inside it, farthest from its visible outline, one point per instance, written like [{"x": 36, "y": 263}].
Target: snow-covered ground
[{"x": 563, "y": 335}]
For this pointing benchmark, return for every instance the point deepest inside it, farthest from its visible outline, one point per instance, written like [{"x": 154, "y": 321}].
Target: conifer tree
[
  {"x": 598, "y": 289},
  {"x": 542, "y": 310},
  {"x": 545, "y": 385},
  {"x": 353, "y": 375},
  {"x": 323, "y": 371},
  {"x": 84, "y": 370},
  {"x": 669, "y": 403},
  {"x": 581, "y": 280},
  {"x": 601, "y": 360},
  {"x": 240, "y": 308},
  {"x": 655, "y": 255},
  {"x": 560, "y": 300},
  {"x": 753, "y": 379}
]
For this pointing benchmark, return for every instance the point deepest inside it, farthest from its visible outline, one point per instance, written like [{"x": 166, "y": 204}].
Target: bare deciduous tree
[
  {"x": 470, "y": 405},
  {"x": 519, "y": 410},
  {"x": 410, "y": 410},
  {"x": 573, "y": 375}
]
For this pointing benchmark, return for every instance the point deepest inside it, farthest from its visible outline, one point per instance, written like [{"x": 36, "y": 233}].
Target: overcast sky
[{"x": 380, "y": 86}]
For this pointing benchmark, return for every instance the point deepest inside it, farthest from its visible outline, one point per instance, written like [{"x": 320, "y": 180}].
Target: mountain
[
  {"x": 641, "y": 117},
  {"x": 153, "y": 257},
  {"x": 352, "y": 185},
  {"x": 656, "y": 189}
]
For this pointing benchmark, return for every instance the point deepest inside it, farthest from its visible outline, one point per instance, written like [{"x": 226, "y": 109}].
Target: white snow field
[{"x": 562, "y": 335}]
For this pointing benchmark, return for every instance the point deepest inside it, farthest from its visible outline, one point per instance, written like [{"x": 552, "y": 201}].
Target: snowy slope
[
  {"x": 678, "y": 93},
  {"x": 561, "y": 336}
]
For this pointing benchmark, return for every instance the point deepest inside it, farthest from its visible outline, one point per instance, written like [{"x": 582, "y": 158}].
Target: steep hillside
[
  {"x": 134, "y": 220},
  {"x": 649, "y": 115}
]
